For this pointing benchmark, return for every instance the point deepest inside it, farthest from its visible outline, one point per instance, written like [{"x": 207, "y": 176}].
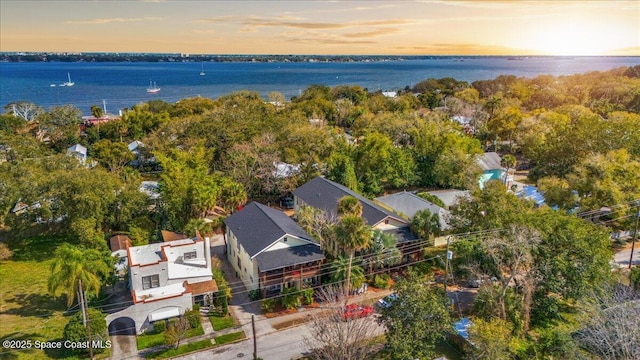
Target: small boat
[
  {"x": 202, "y": 73},
  {"x": 68, "y": 82},
  {"x": 152, "y": 89}
]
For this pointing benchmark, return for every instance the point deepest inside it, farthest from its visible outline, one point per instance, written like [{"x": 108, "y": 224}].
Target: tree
[
  {"x": 73, "y": 263},
  {"x": 176, "y": 331},
  {"x": 340, "y": 271},
  {"x": 331, "y": 337},
  {"x": 491, "y": 338},
  {"x": 611, "y": 321},
  {"x": 382, "y": 251},
  {"x": 24, "y": 110},
  {"x": 416, "y": 320},
  {"x": 112, "y": 155},
  {"x": 76, "y": 332},
  {"x": 425, "y": 224},
  {"x": 352, "y": 235}
]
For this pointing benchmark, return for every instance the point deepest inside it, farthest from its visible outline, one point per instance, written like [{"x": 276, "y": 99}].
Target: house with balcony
[
  {"x": 324, "y": 194},
  {"x": 269, "y": 251},
  {"x": 166, "y": 279}
]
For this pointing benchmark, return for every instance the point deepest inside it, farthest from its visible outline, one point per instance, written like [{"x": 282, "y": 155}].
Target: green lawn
[
  {"x": 150, "y": 340},
  {"x": 221, "y": 322},
  {"x": 183, "y": 349},
  {"x": 223, "y": 339},
  {"x": 27, "y": 310}
]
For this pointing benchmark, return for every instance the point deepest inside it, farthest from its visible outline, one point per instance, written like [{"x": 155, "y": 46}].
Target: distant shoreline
[{"x": 176, "y": 57}]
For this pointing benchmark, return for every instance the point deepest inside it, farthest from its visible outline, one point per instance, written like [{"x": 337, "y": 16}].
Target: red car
[{"x": 355, "y": 311}]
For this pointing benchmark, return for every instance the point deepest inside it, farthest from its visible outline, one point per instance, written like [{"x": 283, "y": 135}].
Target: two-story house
[
  {"x": 269, "y": 251},
  {"x": 324, "y": 194},
  {"x": 166, "y": 279}
]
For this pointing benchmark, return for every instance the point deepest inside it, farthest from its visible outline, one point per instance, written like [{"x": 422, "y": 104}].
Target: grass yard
[
  {"x": 227, "y": 338},
  {"x": 183, "y": 349},
  {"x": 221, "y": 322},
  {"x": 27, "y": 311},
  {"x": 145, "y": 341}
]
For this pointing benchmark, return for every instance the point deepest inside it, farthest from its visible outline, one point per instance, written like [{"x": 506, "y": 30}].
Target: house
[
  {"x": 284, "y": 170},
  {"x": 269, "y": 251},
  {"x": 166, "y": 279},
  {"x": 324, "y": 194},
  {"x": 409, "y": 204},
  {"x": 79, "y": 152},
  {"x": 150, "y": 188},
  {"x": 135, "y": 147},
  {"x": 450, "y": 197},
  {"x": 491, "y": 165}
]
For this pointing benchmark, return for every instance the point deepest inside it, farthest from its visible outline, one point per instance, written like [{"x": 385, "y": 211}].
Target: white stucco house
[{"x": 166, "y": 279}]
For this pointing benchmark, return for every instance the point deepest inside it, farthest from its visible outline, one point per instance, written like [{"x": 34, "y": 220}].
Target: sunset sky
[{"x": 420, "y": 27}]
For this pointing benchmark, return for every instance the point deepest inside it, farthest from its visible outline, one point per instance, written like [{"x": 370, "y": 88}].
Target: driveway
[{"x": 621, "y": 258}]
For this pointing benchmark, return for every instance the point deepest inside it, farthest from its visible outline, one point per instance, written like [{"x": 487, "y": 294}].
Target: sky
[{"x": 420, "y": 27}]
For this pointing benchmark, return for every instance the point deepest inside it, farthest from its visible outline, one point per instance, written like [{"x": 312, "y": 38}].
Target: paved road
[
  {"x": 622, "y": 257},
  {"x": 281, "y": 345}
]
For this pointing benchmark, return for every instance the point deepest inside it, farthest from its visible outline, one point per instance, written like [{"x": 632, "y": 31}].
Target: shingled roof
[
  {"x": 324, "y": 194},
  {"x": 257, "y": 226}
]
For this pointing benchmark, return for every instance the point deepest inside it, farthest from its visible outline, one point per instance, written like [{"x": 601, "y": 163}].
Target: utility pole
[
  {"x": 85, "y": 318},
  {"x": 448, "y": 257},
  {"x": 635, "y": 235},
  {"x": 255, "y": 345}
]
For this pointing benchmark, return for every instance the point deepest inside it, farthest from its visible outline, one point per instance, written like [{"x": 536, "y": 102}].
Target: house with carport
[{"x": 269, "y": 251}]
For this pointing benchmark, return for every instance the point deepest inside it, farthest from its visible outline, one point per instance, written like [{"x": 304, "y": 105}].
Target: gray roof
[
  {"x": 408, "y": 203},
  {"x": 257, "y": 226},
  {"x": 489, "y": 161},
  {"x": 449, "y": 196},
  {"x": 324, "y": 194},
  {"x": 295, "y": 255},
  {"x": 403, "y": 234},
  {"x": 77, "y": 148}
]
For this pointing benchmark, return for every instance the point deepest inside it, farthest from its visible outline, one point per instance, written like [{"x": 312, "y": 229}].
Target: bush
[
  {"x": 634, "y": 278},
  {"x": 307, "y": 295},
  {"x": 255, "y": 295},
  {"x": 268, "y": 305},
  {"x": 159, "y": 326},
  {"x": 76, "y": 332},
  {"x": 290, "y": 298},
  {"x": 381, "y": 281},
  {"x": 193, "y": 317},
  {"x": 196, "y": 307}
]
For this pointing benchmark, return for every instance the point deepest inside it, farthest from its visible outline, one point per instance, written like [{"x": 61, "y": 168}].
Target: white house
[
  {"x": 166, "y": 279},
  {"x": 79, "y": 152}
]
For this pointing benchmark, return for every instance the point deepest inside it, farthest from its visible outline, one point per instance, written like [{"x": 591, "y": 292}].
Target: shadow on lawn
[{"x": 40, "y": 305}]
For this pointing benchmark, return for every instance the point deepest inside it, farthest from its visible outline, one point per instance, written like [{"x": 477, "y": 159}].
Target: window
[
  {"x": 149, "y": 282},
  {"x": 190, "y": 255},
  {"x": 239, "y": 263}
]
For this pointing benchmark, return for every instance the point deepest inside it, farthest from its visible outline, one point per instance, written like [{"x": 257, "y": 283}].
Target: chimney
[{"x": 207, "y": 251}]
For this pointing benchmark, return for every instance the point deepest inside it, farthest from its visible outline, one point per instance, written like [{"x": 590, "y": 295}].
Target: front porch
[{"x": 299, "y": 276}]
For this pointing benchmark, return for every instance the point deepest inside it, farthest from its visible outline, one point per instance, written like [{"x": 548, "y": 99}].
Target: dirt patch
[
  {"x": 291, "y": 323},
  {"x": 274, "y": 314}
]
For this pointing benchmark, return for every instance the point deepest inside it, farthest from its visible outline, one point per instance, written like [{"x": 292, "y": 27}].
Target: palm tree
[
  {"x": 425, "y": 224},
  {"x": 509, "y": 162},
  {"x": 382, "y": 251},
  {"x": 73, "y": 263},
  {"x": 352, "y": 235},
  {"x": 340, "y": 271},
  {"x": 349, "y": 205},
  {"x": 97, "y": 113}
]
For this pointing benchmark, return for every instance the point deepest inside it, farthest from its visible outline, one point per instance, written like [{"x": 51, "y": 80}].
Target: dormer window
[{"x": 190, "y": 255}]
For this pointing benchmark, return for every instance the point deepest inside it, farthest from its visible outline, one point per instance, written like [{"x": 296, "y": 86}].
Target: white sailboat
[
  {"x": 202, "y": 73},
  {"x": 152, "y": 89},
  {"x": 69, "y": 82}
]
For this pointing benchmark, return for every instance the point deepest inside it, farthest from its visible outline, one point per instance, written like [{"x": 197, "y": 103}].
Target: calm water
[{"x": 124, "y": 84}]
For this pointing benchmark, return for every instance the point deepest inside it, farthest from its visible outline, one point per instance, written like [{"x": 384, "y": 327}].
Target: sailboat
[
  {"x": 152, "y": 89},
  {"x": 69, "y": 82},
  {"x": 202, "y": 73}
]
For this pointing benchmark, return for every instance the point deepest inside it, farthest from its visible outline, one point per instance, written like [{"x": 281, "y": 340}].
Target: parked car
[
  {"x": 475, "y": 283},
  {"x": 386, "y": 301},
  {"x": 355, "y": 311}
]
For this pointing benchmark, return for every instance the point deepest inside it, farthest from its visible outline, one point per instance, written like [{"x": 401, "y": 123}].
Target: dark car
[{"x": 355, "y": 311}]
